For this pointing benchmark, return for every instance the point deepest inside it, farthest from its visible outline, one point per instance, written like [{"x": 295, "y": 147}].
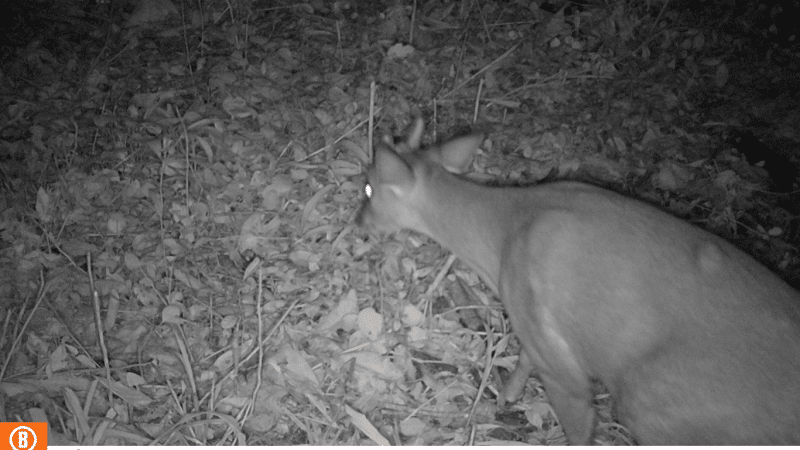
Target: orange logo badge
[{"x": 23, "y": 435}]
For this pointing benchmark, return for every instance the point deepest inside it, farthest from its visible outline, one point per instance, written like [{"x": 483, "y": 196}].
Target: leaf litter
[{"x": 179, "y": 260}]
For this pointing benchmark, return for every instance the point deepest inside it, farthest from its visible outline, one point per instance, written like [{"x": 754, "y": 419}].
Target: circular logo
[{"x": 22, "y": 438}]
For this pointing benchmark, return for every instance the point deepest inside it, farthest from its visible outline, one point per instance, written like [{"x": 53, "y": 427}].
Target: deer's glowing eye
[{"x": 368, "y": 190}]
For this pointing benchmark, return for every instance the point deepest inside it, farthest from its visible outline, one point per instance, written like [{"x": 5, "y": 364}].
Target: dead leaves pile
[{"x": 178, "y": 259}]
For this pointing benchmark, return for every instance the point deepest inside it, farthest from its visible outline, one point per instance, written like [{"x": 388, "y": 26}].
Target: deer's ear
[
  {"x": 456, "y": 155},
  {"x": 415, "y": 135}
]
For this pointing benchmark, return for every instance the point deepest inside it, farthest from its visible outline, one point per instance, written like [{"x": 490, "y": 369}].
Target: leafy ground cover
[{"x": 178, "y": 184}]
